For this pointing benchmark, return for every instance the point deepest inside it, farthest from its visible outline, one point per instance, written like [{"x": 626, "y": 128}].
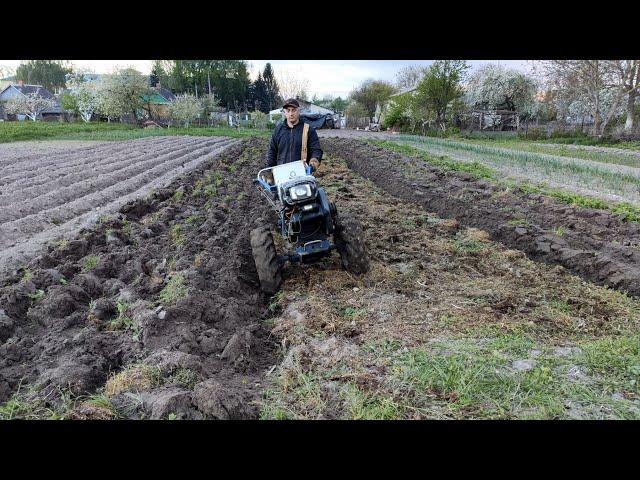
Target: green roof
[{"x": 155, "y": 99}]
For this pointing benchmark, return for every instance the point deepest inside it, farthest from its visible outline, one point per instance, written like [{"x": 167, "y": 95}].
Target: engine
[{"x": 307, "y": 216}]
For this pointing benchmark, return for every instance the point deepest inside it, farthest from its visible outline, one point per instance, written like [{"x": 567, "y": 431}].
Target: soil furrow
[
  {"x": 75, "y": 199},
  {"x": 27, "y": 246},
  {"x": 87, "y": 175},
  {"x": 165, "y": 324},
  {"x": 599, "y": 246},
  {"x": 73, "y": 155},
  {"x": 58, "y": 173}
]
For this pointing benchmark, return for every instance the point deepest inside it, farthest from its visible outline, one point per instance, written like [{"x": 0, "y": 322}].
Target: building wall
[{"x": 9, "y": 93}]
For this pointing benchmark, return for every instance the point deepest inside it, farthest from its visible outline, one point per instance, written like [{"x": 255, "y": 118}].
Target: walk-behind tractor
[{"x": 307, "y": 220}]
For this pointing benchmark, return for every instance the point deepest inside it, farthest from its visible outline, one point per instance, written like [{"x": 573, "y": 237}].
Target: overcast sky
[{"x": 326, "y": 77}]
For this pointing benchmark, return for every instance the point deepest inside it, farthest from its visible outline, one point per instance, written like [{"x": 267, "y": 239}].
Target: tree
[
  {"x": 338, "y": 105},
  {"x": 598, "y": 86},
  {"x": 259, "y": 95},
  {"x": 160, "y": 73},
  {"x": 494, "y": 87},
  {"x": 51, "y": 74},
  {"x": 441, "y": 86},
  {"x": 31, "y": 105},
  {"x": 69, "y": 103},
  {"x": 260, "y": 119},
  {"x": 6, "y": 71},
  {"x": 272, "y": 90},
  {"x": 227, "y": 79},
  {"x": 292, "y": 85},
  {"x": 355, "y": 111},
  {"x": 629, "y": 74},
  {"x": 372, "y": 93},
  {"x": 83, "y": 97},
  {"x": 410, "y": 76},
  {"x": 122, "y": 92},
  {"x": 399, "y": 112},
  {"x": 209, "y": 104},
  {"x": 185, "y": 108}
]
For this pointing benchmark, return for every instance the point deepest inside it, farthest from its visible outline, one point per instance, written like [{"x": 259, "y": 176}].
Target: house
[
  {"x": 157, "y": 103},
  {"x": 15, "y": 90}
]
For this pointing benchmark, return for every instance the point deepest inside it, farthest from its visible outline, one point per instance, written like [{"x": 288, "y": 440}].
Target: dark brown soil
[
  {"x": 595, "y": 244},
  {"x": 59, "y": 328}
]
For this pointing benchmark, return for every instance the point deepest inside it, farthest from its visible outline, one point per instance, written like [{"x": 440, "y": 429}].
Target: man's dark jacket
[{"x": 286, "y": 144}]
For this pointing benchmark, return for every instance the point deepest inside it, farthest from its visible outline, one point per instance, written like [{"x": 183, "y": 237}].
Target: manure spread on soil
[{"x": 153, "y": 313}]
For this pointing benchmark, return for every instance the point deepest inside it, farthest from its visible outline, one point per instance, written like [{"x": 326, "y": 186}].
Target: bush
[
  {"x": 449, "y": 132},
  {"x": 534, "y": 134}
]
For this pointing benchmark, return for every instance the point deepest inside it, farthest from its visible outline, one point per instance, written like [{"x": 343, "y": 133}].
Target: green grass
[
  {"x": 560, "y": 231},
  {"x": 177, "y": 236},
  {"x": 519, "y": 222},
  {"x": 177, "y": 196},
  {"x": 25, "y": 404},
  {"x": 474, "y": 169},
  {"x": 208, "y": 186},
  {"x": 90, "y": 263},
  {"x": 35, "y": 297},
  {"x": 463, "y": 244},
  {"x": 27, "y": 275},
  {"x": 476, "y": 378},
  {"x": 103, "y": 131},
  {"x": 625, "y": 210},
  {"x": 615, "y": 360},
  {"x": 351, "y": 313},
  {"x": 362, "y": 405},
  {"x": 174, "y": 290},
  {"x": 124, "y": 322},
  {"x": 182, "y": 376}
]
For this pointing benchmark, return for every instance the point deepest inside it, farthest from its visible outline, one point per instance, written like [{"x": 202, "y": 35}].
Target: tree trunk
[
  {"x": 596, "y": 119},
  {"x": 631, "y": 105}
]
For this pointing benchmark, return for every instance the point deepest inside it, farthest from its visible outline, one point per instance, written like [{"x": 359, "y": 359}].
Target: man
[{"x": 286, "y": 141}]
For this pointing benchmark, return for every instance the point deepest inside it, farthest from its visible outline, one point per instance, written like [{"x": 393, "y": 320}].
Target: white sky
[{"x": 326, "y": 77}]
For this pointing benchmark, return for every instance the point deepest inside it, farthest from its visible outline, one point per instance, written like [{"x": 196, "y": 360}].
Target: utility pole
[{"x": 209, "y": 81}]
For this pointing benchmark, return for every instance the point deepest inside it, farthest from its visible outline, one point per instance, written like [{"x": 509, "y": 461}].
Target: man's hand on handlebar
[{"x": 314, "y": 163}]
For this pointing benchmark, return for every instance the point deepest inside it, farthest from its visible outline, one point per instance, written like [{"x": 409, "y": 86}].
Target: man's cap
[{"x": 292, "y": 102}]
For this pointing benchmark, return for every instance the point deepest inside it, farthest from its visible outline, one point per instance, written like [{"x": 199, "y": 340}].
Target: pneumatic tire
[
  {"x": 266, "y": 259},
  {"x": 349, "y": 240}
]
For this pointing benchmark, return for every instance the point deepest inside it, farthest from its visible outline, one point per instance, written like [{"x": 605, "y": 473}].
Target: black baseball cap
[{"x": 292, "y": 102}]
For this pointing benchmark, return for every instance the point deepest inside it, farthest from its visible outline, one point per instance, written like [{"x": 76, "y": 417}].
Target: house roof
[
  {"x": 37, "y": 89},
  {"x": 41, "y": 92},
  {"x": 155, "y": 99},
  {"x": 167, "y": 94}
]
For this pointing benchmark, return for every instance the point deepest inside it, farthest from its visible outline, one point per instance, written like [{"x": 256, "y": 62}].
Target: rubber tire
[
  {"x": 349, "y": 240},
  {"x": 266, "y": 259}
]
